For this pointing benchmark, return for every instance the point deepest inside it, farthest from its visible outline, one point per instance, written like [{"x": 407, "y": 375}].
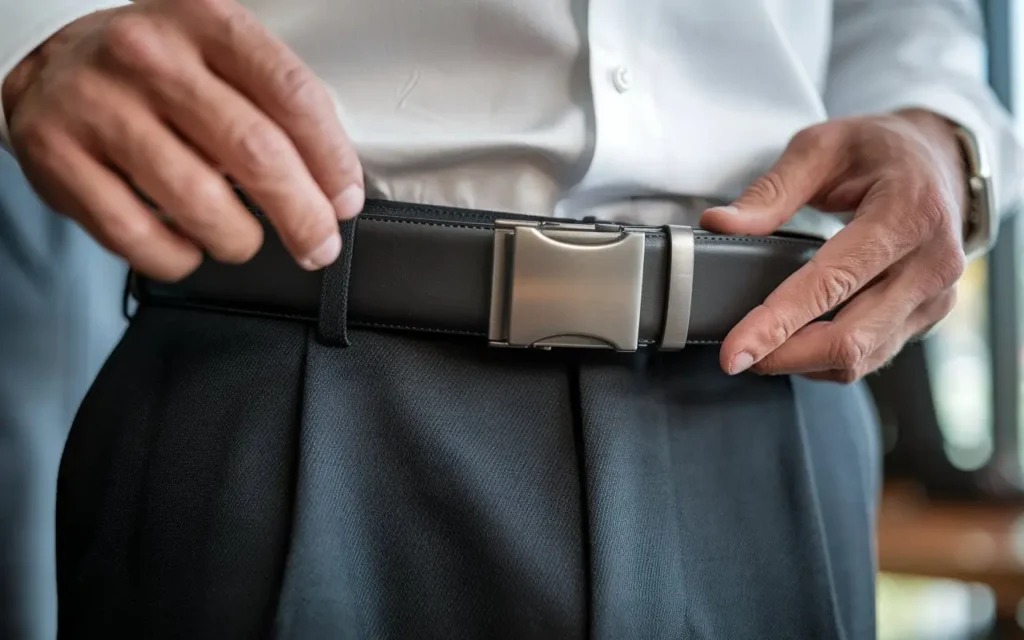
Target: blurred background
[
  {"x": 60, "y": 315},
  {"x": 951, "y": 525}
]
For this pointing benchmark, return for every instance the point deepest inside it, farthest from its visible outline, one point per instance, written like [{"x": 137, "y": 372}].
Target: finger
[
  {"x": 929, "y": 314},
  {"x": 228, "y": 128},
  {"x": 868, "y": 321},
  {"x": 873, "y": 241},
  {"x": 920, "y": 321},
  {"x": 878, "y": 360},
  {"x": 857, "y": 331},
  {"x": 805, "y": 167},
  {"x": 270, "y": 74},
  {"x": 197, "y": 199},
  {"x": 105, "y": 206}
]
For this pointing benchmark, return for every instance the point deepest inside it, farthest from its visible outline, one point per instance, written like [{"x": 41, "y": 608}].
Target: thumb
[{"x": 776, "y": 195}]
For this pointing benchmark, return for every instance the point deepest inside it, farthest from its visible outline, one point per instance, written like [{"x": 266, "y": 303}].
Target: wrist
[
  {"x": 940, "y": 136},
  {"x": 17, "y": 81},
  {"x": 16, "y": 84}
]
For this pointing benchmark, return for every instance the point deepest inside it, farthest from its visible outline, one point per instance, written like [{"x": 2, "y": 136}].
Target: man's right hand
[{"x": 170, "y": 97}]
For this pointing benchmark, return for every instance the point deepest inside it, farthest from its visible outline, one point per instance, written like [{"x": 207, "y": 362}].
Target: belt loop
[
  {"x": 130, "y": 283},
  {"x": 679, "y": 297},
  {"x": 332, "y": 323}
]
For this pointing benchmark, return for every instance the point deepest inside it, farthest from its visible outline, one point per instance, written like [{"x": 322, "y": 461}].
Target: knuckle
[
  {"x": 126, "y": 230},
  {"x": 950, "y": 268},
  {"x": 82, "y": 88},
  {"x": 934, "y": 203},
  {"x": 229, "y": 234},
  {"x": 234, "y": 22},
  {"x": 207, "y": 188},
  {"x": 932, "y": 212},
  {"x": 36, "y": 140},
  {"x": 768, "y": 187},
  {"x": 885, "y": 246},
  {"x": 300, "y": 92},
  {"x": 851, "y": 349},
  {"x": 781, "y": 330},
  {"x": 257, "y": 147},
  {"x": 131, "y": 39},
  {"x": 835, "y": 284},
  {"x": 778, "y": 325}
]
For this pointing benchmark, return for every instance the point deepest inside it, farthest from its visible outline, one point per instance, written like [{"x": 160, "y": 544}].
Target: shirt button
[{"x": 622, "y": 79}]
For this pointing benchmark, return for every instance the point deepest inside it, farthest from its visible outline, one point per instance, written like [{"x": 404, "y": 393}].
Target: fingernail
[
  {"x": 726, "y": 209},
  {"x": 740, "y": 363},
  {"x": 323, "y": 255},
  {"x": 350, "y": 202}
]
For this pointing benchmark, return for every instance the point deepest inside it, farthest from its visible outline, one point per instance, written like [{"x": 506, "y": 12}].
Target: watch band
[{"x": 981, "y": 223}]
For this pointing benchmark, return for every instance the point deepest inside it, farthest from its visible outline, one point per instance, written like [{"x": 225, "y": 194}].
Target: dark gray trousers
[{"x": 231, "y": 477}]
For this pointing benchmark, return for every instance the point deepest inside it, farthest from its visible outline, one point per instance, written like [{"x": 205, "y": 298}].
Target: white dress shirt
[{"x": 616, "y": 108}]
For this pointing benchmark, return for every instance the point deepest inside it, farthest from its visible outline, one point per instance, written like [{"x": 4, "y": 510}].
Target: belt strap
[{"x": 513, "y": 280}]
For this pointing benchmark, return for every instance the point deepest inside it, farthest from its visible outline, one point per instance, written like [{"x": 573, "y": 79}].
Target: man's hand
[
  {"x": 896, "y": 263},
  {"x": 170, "y": 97}
]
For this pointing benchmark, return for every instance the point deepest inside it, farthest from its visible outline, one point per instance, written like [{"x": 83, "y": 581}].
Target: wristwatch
[{"x": 981, "y": 220}]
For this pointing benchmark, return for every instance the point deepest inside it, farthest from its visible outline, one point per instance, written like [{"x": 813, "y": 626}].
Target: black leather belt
[{"x": 510, "y": 280}]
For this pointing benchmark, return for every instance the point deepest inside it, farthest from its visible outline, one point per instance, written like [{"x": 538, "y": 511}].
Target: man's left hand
[{"x": 895, "y": 265}]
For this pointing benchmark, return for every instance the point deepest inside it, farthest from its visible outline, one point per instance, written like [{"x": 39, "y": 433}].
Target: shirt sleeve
[
  {"x": 931, "y": 54},
  {"x": 26, "y": 24}
]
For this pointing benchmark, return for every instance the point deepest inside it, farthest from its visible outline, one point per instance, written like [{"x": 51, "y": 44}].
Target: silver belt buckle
[{"x": 566, "y": 285}]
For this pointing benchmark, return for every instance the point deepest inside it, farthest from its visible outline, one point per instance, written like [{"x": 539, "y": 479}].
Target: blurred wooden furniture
[{"x": 969, "y": 542}]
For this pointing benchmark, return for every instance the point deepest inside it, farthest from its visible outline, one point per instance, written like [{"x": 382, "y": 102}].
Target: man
[{"x": 273, "y": 452}]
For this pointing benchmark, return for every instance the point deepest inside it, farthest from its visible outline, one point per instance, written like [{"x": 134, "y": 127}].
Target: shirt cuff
[{"x": 26, "y": 25}]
